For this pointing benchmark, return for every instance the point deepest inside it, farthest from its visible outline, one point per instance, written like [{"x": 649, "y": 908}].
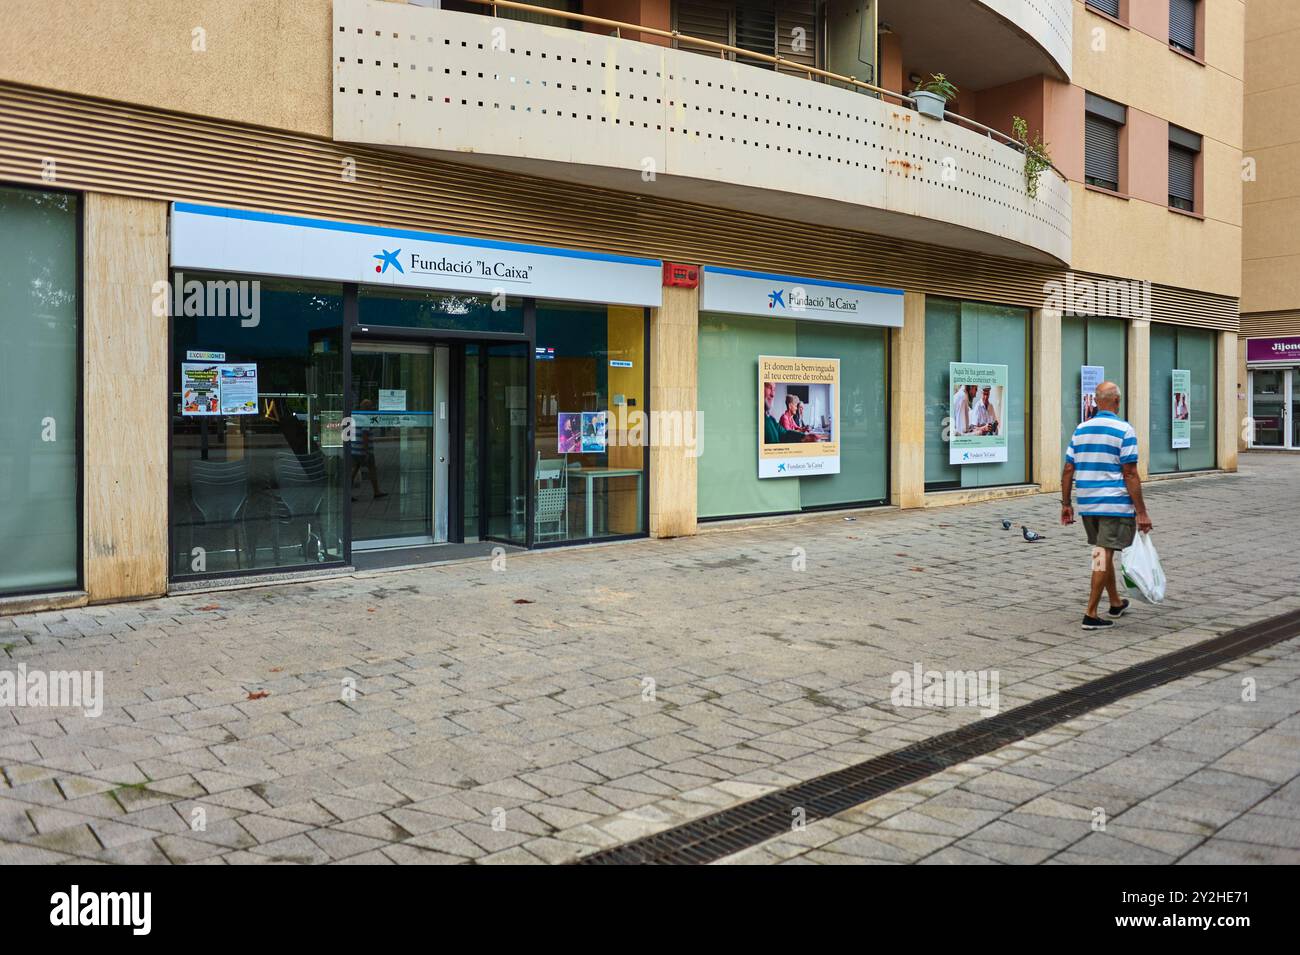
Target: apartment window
[
  {"x": 1182, "y": 25},
  {"x": 1104, "y": 120},
  {"x": 785, "y": 28},
  {"x": 1184, "y": 147},
  {"x": 1106, "y": 6}
]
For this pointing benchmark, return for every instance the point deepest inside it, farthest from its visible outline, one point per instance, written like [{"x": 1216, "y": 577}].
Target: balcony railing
[{"x": 595, "y": 108}]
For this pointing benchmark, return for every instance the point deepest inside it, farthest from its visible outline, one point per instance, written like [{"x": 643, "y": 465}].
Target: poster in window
[
  {"x": 1090, "y": 376},
  {"x": 798, "y": 416},
  {"x": 569, "y": 425},
  {"x": 200, "y": 389},
  {"x": 1181, "y": 395},
  {"x": 594, "y": 424},
  {"x": 238, "y": 388},
  {"x": 977, "y": 432}
]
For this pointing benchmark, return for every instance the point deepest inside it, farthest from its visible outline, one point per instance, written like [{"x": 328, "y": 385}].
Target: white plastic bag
[{"x": 1143, "y": 574}]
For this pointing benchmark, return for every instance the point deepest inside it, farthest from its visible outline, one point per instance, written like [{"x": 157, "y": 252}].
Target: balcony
[{"x": 648, "y": 119}]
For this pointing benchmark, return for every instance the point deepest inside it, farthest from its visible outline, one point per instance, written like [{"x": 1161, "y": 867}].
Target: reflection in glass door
[
  {"x": 505, "y": 438},
  {"x": 400, "y": 426},
  {"x": 1268, "y": 407}
]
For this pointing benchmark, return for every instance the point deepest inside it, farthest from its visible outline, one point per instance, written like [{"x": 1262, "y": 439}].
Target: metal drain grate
[{"x": 731, "y": 830}]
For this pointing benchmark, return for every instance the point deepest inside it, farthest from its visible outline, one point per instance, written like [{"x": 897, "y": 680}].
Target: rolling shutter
[
  {"x": 1182, "y": 178},
  {"x": 705, "y": 19},
  {"x": 1101, "y": 152},
  {"x": 764, "y": 26},
  {"x": 797, "y": 20},
  {"x": 1106, "y": 6},
  {"x": 1182, "y": 24}
]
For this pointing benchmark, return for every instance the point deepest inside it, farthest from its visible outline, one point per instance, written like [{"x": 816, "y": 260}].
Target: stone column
[
  {"x": 674, "y": 360},
  {"x": 125, "y": 403},
  {"x": 1139, "y": 389},
  {"x": 1046, "y": 395},
  {"x": 1229, "y": 385},
  {"x": 907, "y": 405}
]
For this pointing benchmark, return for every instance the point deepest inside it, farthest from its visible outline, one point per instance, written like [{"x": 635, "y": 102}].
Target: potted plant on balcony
[
  {"x": 1037, "y": 159},
  {"x": 933, "y": 95}
]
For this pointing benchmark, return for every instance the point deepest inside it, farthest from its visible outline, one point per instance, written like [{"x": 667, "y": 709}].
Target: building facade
[
  {"x": 292, "y": 284},
  {"x": 1269, "y": 363}
]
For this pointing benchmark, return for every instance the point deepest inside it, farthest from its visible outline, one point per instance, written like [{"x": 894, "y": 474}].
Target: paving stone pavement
[{"x": 508, "y": 715}]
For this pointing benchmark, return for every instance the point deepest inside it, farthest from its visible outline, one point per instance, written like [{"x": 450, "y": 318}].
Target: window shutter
[
  {"x": 1182, "y": 178},
  {"x": 1101, "y": 152},
  {"x": 794, "y": 15},
  {"x": 756, "y": 28},
  {"x": 705, "y": 19},
  {"x": 1106, "y": 6},
  {"x": 1182, "y": 24}
]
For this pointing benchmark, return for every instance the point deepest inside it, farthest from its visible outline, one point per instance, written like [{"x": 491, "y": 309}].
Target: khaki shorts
[{"x": 1112, "y": 533}]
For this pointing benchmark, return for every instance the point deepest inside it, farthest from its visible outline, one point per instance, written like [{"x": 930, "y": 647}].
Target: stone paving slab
[{"x": 648, "y": 683}]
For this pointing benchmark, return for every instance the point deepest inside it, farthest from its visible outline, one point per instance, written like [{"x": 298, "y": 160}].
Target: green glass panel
[
  {"x": 942, "y": 346},
  {"x": 1164, "y": 358},
  {"x": 1196, "y": 354},
  {"x": 728, "y": 479},
  {"x": 1108, "y": 347},
  {"x": 863, "y": 424},
  {"x": 998, "y": 335},
  {"x": 1074, "y": 353},
  {"x": 39, "y": 375}
]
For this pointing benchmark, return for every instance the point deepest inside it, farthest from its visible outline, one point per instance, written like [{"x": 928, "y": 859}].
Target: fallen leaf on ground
[
  {"x": 259, "y": 695},
  {"x": 521, "y": 600},
  {"x": 211, "y": 607}
]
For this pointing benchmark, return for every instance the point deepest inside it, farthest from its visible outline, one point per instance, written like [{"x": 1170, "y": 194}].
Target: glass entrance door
[
  {"x": 1268, "y": 398},
  {"x": 398, "y": 486}
]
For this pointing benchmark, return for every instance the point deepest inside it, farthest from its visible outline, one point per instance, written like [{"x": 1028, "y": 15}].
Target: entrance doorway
[
  {"x": 399, "y": 470},
  {"x": 1275, "y": 408}
]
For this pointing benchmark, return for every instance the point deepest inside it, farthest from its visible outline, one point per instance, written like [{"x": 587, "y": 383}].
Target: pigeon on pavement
[
  {"x": 1006, "y": 524},
  {"x": 1031, "y": 536}
]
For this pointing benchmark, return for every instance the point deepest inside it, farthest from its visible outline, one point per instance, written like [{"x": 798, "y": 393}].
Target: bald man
[{"x": 1103, "y": 456}]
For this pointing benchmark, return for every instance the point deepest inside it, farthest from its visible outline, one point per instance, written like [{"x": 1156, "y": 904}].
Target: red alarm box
[{"x": 681, "y": 276}]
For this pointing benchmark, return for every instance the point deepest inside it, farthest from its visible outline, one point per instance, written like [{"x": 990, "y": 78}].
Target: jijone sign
[
  {"x": 265, "y": 243},
  {"x": 737, "y": 292},
  {"x": 1273, "y": 349}
]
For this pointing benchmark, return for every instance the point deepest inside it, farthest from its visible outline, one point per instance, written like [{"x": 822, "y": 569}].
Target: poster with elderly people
[{"x": 977, "y": 433}]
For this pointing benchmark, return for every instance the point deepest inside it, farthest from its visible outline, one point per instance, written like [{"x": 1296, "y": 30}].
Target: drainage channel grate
[{"x": 728, "y": 831}]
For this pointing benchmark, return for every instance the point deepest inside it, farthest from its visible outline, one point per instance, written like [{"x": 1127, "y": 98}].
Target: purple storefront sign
[{"x": 1273, "y": 349}]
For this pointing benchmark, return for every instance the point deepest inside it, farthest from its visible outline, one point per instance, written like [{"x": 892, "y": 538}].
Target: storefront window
[
  {"x": 976, "y": 333},
  {"x": 257, "y": 471},
  {"x": 729, "y": 349},
  {"x": 452, "y": 311},
  {"x": 589, "y": 473},
  {"x": 1191, "y": 350},
  {"x": 1090, "y": 341},
  {"x": 39, "y": 385}
]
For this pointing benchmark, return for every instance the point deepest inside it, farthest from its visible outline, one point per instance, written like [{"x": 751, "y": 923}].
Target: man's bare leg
[
  {"x": 1112, "y": 585},
  {"x": 1101, "y": 572}
]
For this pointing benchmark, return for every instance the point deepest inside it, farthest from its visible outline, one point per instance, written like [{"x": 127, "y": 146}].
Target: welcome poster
[{"x": 798, "y": 416}]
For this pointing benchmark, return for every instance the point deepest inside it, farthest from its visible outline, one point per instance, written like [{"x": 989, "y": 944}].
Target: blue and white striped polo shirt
[{"x": 1097, "y": 450}]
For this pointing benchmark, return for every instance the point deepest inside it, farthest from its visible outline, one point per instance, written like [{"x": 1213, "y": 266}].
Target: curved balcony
[
  {"x": 621, "y": 114},
  {"x": 985, "y": 42}
]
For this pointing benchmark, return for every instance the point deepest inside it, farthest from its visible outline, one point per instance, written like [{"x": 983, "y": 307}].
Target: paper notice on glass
[
  {"x": 238, "y": 388},
  {"x": 392, "y": 399},
  {"x": 200, "y": 388}
]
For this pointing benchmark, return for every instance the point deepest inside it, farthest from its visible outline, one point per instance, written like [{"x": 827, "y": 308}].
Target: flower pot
[{"x": 929, "y": 104}]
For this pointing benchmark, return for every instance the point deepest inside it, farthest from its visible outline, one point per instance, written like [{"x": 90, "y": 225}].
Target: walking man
[{"x": 1103, "y": 456}]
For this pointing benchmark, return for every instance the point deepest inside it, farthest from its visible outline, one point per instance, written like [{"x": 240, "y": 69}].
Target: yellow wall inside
[{"x": 626, "y": 343}]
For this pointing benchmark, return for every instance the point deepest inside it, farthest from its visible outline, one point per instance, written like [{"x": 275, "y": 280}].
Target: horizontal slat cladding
[
  {"x": 1270, "y": 324},
  {"x": 124, "y": 150}
]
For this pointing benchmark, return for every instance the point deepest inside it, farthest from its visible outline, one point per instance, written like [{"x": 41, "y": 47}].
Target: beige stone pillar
[
  {"x": 1229, "y": 386},
  {"x": 1046, "y": 395},
  {"x": 1139, "y": 389},
  {"x": 1243, "y": 394},
  {"x": 126, "y": 388},
  {"x": 674, "y": 359},
  {"x": 907, "y": 405}
]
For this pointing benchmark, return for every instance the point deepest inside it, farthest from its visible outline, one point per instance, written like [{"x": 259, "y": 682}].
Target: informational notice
[
  {"x": 214, "y": 389},
  {"x": 238, "y": 388},
  {"x": 977, "y": 429},
  {"x": 200, "y": 389},
  {"x": 798, "y": 416},
  {"x": 392, "y": 399},
  {"x": 1090, "y": 377},
  {"x": 1181, "y": 388}
]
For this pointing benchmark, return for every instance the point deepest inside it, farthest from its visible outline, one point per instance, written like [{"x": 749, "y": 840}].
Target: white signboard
[
  {"x": 737, "y": 292},
  {"x": 263, "y": 243},
  {"x": 392, "y": 399}
]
